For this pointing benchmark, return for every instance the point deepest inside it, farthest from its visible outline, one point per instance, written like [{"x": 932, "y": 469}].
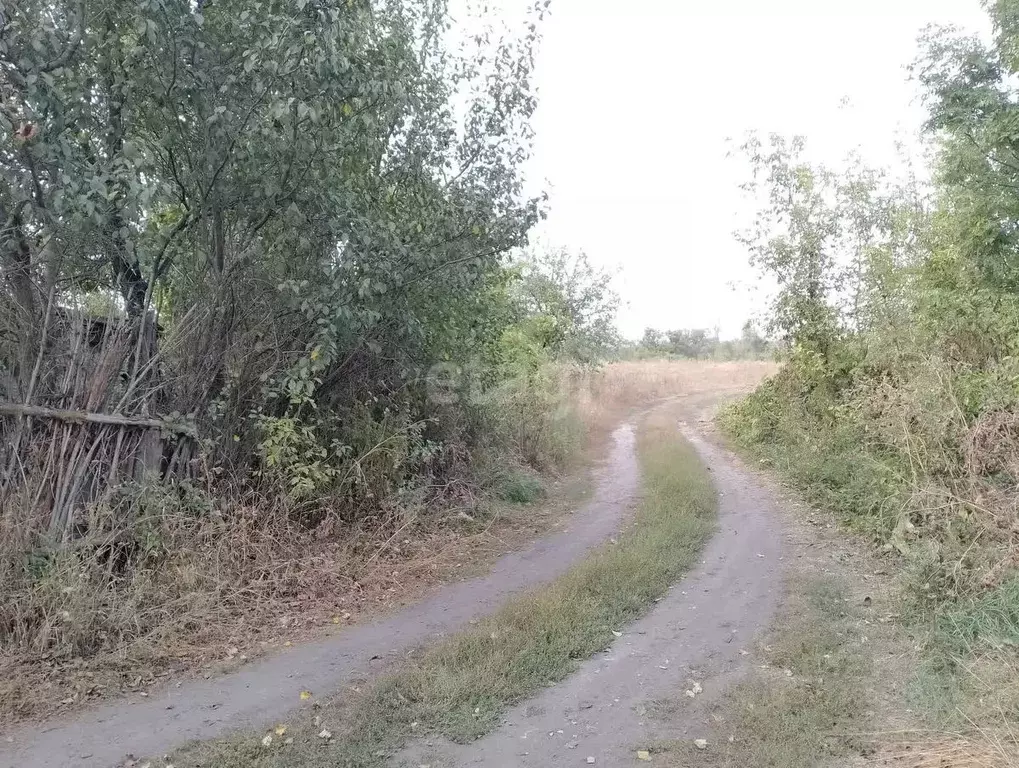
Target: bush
[{"x": 520, "y": 488}]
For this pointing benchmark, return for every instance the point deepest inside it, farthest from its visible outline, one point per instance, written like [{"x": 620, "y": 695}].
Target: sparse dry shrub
[{"x": 991, "y": 445}]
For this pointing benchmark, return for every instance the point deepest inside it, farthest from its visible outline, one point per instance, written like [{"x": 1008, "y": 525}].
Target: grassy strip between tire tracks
[{"x": 461, "y": 687}]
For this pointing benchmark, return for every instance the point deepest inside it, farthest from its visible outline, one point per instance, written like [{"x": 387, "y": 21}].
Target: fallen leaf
[
  {"x": 281, "y": 729},
  {"x": 643, "y": 754},
  {"x": 287, "y": 644},
  {"x": 336, "y": 619},
  {"x": 305, "y": 695}
]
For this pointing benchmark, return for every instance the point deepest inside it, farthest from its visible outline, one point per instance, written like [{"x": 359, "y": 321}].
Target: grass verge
[
  {"x": 960, "y": 691},
  {"x": 461, "y": 687}
]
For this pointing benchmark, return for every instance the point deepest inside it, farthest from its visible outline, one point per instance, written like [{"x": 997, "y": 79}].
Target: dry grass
[
  {"x": 993, "y": 750},
  {"x": 951, "y": 698},
  {"x": 236, "y": 592},
  {"x": 604, "y": 397},
  {"x": 806, "y": 702}
]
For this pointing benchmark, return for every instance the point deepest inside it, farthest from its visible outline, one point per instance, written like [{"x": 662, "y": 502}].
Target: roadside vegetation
[
  {"x": 898, "y": 404},
  {"x": 460, "y": 688}
]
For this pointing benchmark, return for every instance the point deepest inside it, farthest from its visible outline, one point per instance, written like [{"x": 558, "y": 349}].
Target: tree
[
  {"x": 653, "y": 339},
  {"x": 971, "y": 95},
  {"x": 577, "y": 298},
  {"x": 794, "y": 239},
  {"x": 290, "y": 211},
  {"x": 753, "y": 344}
]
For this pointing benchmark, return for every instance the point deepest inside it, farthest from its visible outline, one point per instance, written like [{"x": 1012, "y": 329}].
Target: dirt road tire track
[{"x": 698, "y": 633}]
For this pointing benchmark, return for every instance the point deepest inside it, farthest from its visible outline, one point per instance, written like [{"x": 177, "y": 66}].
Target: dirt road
[
  {"x": 696, "y": 639},
  {"x": 693, "y": 635}
]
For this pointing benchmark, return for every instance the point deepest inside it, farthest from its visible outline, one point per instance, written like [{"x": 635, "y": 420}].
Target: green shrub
[
  {"x": 520, "y": 487},
  {"x": 986, "y": 621}
]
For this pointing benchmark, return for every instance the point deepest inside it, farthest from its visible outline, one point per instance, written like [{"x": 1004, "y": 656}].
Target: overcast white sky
[{"x": 639, "y": 97}]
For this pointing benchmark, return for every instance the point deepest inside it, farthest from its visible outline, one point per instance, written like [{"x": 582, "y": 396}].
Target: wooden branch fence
[
  {"x": 75, "y": 458},
  {"x": 38, "y": 411}
]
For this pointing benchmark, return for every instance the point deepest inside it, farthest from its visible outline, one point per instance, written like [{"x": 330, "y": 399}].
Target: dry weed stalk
[{"x": 990, "y": 750}]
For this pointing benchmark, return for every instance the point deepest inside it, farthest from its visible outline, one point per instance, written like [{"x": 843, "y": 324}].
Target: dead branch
[{"x": 37, "y": 411}]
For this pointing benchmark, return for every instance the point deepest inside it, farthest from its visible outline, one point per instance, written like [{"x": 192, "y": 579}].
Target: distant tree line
[{"x": 699, "y": 344}]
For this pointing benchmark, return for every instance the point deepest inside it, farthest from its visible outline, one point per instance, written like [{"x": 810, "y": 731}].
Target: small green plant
[
  {"x": 520, "y": 488},
  {"x": 988, "y": 621},
  {"x": 293, "y": 454}
]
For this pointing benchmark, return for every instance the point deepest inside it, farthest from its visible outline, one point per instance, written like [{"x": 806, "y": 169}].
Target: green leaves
[
  {"x": 299, "y": 190},
  {"x": 971, "y": 94},
  {"x": 576, "y": 300}
]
